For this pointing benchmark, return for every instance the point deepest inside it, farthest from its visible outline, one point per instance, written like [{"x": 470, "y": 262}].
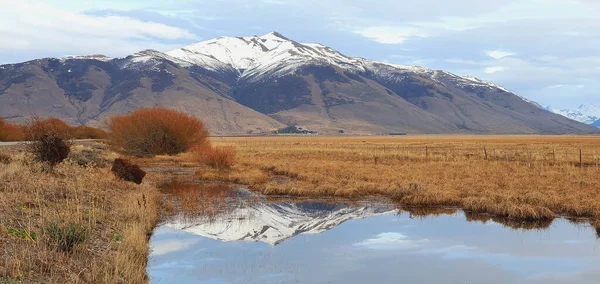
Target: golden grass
[
  {"x": 525, "y": 178},
  {"x": 117, "y": 216}
]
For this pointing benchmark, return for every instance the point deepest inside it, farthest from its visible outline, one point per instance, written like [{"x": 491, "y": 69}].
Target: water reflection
[{"x": 241, "y": 238}]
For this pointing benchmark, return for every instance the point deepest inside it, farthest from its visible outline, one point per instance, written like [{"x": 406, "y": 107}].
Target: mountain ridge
[
  {"x": 585, "y": 113},
  {"x": 246, "y": 85}
]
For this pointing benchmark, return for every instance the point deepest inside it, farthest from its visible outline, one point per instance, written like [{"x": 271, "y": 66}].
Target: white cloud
[
  {"x": 391, "y": 35},
  {"x": 497, "y": 54},
  {"x": 494, "y": 69},
  {"x": 169, "y": 246},
  {"x": 391, "y": 240},
  {"x": 37, "y": 26}
]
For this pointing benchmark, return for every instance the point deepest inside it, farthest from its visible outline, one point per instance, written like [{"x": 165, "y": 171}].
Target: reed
[{"x": 512, "y": 177}]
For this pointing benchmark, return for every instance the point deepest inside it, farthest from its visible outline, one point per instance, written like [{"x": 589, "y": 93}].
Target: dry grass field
[
  {"x": 74, "y": 223},
  {"x": 521, "y": 178}
]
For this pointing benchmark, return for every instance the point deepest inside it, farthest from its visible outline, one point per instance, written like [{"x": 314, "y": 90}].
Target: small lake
[{"x": 216, "y": 234}]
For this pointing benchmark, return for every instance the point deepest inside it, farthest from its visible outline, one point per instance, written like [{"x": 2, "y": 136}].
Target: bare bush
[
  {"x": 48, "y": 140},
  {"x": 125, "y": 170},
  {"x": 156, "y": 131}
]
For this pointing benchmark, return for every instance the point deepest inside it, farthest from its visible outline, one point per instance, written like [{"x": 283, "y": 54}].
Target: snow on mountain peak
[
  {"x": 273, "y": 55},
  {"x": 586, "y": 113}
]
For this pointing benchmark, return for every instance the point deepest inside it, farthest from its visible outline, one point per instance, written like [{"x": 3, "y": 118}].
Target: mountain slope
[
  {"x": 258, "y": 84},
  {"x": 87, "y": 91}
]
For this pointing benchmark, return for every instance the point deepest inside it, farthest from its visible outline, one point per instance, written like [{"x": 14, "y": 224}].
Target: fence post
[
  {"x": 580, "y": 158},
  {"x": 485, "y": 151},
  {"x": 530, "y": 159},
  {"x": 427, "y": 152}
]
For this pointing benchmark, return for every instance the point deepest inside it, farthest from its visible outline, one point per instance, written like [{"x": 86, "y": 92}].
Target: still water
[{"x": 244, "y": 238}]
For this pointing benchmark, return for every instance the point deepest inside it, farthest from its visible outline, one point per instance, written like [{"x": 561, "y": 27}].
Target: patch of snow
[
  {"x": 588, "y": 114},
  {"x": 99, "y": 57}
]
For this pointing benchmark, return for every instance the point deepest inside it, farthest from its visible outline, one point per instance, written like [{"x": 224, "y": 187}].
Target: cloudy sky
[{"x": 545, "y": 50}]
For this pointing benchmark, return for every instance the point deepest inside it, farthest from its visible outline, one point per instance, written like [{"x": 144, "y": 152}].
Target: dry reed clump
[
  {"x": 127, "y": 171},
  {"x": 219, "y": 157},
  {"x": 86, "y": 157},
  {"x": 524, "y": 179},
  {"x": 156, "y": 131},
  {"x": 73, "y": 224},
  {"x": 48, "y": 140},
  {"x": 5, "y": 159}
]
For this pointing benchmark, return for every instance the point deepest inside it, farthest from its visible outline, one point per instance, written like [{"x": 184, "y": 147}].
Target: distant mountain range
[
  {"x": 588, "y": 114},
  {"x": 257, "y": 84}
]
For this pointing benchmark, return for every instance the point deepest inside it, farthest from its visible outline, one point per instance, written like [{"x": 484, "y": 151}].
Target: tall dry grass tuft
[
  {"x": 217, "y": 157},
  {"x": 48, "y": 140},
  {"x": 156, "y": 131}
]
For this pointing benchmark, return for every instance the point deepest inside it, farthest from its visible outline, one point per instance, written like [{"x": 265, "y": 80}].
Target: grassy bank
[
  {"x": 74, "y": 223},
  {"x": 514, "y": 177}
]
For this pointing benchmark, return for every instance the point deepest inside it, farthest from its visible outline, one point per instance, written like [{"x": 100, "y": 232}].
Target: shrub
[
  {"x": 88, "y": 158},
  {"x": 156, "y": 131},
  {"x": 48, "y": 140},
  {"x": 66, "y": 236},
  {"x": 11, "y": 132},
  {"x": 87, "y": 132},
  {"x": 219, "y": 157},
  {"x": 125, "y": 170}
]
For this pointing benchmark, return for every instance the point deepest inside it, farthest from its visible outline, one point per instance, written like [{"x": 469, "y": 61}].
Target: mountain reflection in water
[{"x": 216, "y": 234}]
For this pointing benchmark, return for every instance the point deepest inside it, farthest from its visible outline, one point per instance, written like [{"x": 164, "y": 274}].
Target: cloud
[
  {"x": 390, "y": 35},
  {"x": 494, "y": 69},
  {"x": 391, "y": 240},
  {"x": 170, "y": 246},
  {"x": 37, "y": 26},
  {"x": 498, "y": 54}
]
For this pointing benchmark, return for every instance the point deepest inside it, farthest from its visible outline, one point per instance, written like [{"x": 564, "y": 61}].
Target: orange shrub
[
  {"x": 11, "y": 132},
  {"x": 87, "y": 132},
  {"x": 218, "y": 157},
  {"x": 41, "y": 127},
  {"x": 156, "y": 131}
]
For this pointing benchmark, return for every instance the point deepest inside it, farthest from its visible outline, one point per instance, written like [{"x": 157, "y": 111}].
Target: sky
[{"x": 545, "y": 50}]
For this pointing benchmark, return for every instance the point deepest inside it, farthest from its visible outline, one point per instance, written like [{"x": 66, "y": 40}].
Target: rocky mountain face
[
  {"x": 241, "y": 85},
  {"x": 588, "y": 114}
]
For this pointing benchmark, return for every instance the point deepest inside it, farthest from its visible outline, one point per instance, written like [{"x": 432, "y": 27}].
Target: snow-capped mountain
[
  {"x": 257, "y": 84},
  {"x": 273, "y": 55},
  {"x": 274, "y": 223},
  {"x": 588, "y": 114}
]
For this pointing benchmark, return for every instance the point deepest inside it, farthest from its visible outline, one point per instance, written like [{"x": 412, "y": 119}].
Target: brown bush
[
  {"x": 87, "y": 132},
  {"x": 125, "y": 170},
  {"x": 11, "y": 132},
  {"x": 156, "y": 131},
  {"x": 218, "y": 157},
  {"x": 49, "y": 140}
]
